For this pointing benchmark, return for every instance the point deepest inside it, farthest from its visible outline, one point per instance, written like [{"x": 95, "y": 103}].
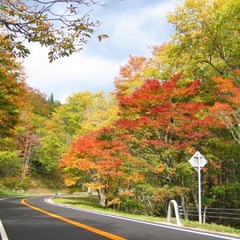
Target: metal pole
[{"x": 199, "y": 192}]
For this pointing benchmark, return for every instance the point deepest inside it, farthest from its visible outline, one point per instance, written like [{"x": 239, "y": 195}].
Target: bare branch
[{"x": 65, "y": 32}]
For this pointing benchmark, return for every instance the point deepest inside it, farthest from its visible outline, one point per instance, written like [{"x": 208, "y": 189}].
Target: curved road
[{"x": 36, "y": 219}]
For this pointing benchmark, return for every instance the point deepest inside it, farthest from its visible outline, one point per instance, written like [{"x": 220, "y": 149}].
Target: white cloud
[
  {"x": 134, "y": 30},
  {"x": 68, "y": 75},
  {"x": 132, "y": 26}
]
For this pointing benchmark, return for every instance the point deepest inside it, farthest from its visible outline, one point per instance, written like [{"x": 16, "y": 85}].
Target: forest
[{"x": 132, "y": 146}]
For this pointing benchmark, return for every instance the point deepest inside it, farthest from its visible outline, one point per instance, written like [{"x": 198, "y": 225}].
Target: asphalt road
[{"x": 35, "y": 219}]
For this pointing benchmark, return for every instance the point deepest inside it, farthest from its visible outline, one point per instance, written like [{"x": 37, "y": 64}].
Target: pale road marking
[
  {"x": 2, "y": 232},
  {"x": 148, "y": 223}
]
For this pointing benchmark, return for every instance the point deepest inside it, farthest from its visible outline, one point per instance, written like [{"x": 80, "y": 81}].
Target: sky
[{"x": 133, "y": 26}]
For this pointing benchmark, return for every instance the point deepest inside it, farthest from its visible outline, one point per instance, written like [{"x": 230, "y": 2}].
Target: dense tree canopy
[
  {"x": 205, "y": 42},
  {"x": 12, "y": 89},
  {"x": 82, "y": 113}
]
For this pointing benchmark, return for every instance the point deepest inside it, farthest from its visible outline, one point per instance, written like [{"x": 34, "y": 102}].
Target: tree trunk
[
  {"x": 183, "y": 204},
  {"x": 102, "y": 197},
  {"x": 26, "y": 161}
]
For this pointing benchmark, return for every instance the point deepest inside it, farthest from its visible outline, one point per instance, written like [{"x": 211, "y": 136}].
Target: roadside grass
[
  {"x": 8, "y": 193},
  {"x": 91, "y": 203}
]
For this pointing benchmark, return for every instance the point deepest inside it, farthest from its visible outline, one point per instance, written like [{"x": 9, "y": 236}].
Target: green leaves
[
  {"x": 9, "y": 163},
  {"x": 12, "y": 89},
  {"x": 205, "y": 42},
  {"x": 63, "y": 32}
]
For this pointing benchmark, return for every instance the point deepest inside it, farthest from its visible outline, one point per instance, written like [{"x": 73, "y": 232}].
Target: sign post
[{"x": 198, "y": 162}]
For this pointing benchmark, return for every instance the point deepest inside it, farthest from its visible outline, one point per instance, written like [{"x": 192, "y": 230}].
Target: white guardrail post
[{"x": 175, "y": 205}]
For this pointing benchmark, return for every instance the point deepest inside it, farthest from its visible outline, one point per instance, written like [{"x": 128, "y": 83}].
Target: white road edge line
[
  {"x": 148, "y": 223},
  {"x": 2, "y": 232}
]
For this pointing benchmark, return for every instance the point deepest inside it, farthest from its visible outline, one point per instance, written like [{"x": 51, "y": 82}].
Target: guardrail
[{"x": 225, "y": 216}]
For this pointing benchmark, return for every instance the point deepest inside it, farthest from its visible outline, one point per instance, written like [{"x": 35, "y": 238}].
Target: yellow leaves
[
  {"x": 206, "y": 39},
  {"x": 70, "y": 181},
  {"x": 99, "y": 114},
  {"x": 95, "y": 185},
  {"x": 135, "y": 177},
  {"x": 12, "y": 88}
]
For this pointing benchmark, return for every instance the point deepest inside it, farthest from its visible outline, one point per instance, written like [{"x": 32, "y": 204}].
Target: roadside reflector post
[{"x": 169, "y": 214}]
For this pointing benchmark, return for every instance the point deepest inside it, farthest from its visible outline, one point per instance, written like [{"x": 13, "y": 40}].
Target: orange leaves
[
  {"x": 227, "y": 91},
  {"x": 132, "y": 67},
  {"x": 220, "y": 108},
  {"x": 127, "y": 193},
  {"x": 101, "y": 161},
  {"x": 97, "y": 155},
  {"x": 161, "y": 168},
  {"x": 114, "y": 201},
  {"x": 130, "y": 76},
  {"x": 224, "y": 85},
  {"x": 227, "y": 107}
]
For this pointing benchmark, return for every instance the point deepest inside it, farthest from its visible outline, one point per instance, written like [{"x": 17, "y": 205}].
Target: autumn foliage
[
  {"x": 142, "y": 157},
  {"x": 101, "y": 162},
  {"x": 158, "y": 125},
  {"x": 132, "y": 147}
]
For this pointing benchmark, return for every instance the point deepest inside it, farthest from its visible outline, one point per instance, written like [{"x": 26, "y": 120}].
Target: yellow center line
[{"x": 91, "y": 229}]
